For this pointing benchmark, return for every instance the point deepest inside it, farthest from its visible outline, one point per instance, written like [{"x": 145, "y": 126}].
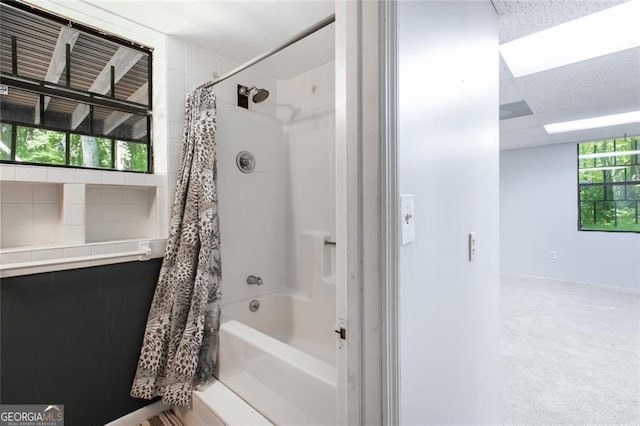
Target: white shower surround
[{"x": 281, "y": 360}]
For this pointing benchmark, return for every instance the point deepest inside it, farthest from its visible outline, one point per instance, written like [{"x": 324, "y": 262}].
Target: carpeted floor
[
  {"x": 166, "y": 418},
  {"x": 571, "y": 354}
]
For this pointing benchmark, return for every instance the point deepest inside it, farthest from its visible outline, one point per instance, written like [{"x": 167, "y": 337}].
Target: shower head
[{"x": 259, "y": 95}]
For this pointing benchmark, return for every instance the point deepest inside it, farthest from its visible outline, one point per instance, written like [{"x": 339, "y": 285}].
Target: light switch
[
  {"x": 407, "y": 218},
  {"x": 472, "y": 246}
]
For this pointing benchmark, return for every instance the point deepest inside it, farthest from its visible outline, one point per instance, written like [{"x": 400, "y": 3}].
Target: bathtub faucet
[{"x": 253, "y": 280}]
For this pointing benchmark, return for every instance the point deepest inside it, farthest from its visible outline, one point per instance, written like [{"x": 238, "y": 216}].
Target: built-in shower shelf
[{"x": 50, "y": 214}]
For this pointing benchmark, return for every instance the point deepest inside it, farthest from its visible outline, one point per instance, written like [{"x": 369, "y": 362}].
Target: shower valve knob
[{"x": 254, "y": 280}]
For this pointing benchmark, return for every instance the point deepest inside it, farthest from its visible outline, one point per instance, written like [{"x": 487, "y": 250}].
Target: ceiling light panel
[
  {"x": 594, "y": 122},
  {"x": 608, "y": 31}
]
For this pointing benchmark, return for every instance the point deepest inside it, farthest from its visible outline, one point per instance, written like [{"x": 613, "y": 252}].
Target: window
[
  {"x": 72, "y": 96},
  {"x": 609, "y": 184}
]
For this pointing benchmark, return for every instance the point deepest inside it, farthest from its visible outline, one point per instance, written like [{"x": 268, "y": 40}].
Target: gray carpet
[{"x": 571, "y": 354}]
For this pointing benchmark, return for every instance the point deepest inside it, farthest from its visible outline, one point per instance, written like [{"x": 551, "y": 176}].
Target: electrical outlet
[{"x": 553, "y": 255}]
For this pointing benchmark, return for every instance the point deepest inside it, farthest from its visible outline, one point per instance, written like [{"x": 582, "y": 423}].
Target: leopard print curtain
[{"x": 180, "y": 340}]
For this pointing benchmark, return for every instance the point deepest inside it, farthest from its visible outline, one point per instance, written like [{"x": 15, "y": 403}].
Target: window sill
[
  {"x": 35, "y": 260},
  {"x": 20, "y": 173}
]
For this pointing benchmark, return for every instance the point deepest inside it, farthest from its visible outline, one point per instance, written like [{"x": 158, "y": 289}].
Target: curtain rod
[{"x": 312, "y": 29}]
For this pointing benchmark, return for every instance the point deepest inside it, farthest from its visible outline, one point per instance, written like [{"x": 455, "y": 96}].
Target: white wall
[
  {"x": 539, "y": 213},
  {"x": 448, "y": 158}
]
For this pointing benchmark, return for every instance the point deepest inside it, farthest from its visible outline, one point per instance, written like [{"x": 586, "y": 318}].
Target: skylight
[{"x": 608, "y": 31}]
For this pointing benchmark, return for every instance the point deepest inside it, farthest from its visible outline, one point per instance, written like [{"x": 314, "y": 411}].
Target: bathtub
[
  {"x": 277, "y": 364},
  {"x": 279, "y": 361}
]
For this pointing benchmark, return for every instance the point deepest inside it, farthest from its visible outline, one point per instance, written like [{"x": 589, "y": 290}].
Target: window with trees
[
  {"x": 609, "y": 184},
  {"x": 71, "y": 95}
]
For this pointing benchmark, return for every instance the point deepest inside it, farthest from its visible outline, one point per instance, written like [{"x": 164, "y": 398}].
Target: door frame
[{"x": 366, "y": 212}]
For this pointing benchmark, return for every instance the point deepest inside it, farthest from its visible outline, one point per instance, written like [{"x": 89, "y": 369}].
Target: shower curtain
[{"x": 180, "y": 340}]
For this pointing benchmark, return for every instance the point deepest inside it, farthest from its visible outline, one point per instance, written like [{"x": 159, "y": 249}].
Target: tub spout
[{"x": 253, "y": 280}]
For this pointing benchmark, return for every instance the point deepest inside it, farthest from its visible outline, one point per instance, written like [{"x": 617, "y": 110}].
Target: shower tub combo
[
  {"x": 277, "y": 362},
  {"x": 277, "y": 351}
]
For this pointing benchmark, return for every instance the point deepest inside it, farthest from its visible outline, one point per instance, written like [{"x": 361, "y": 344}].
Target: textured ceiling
[
  {"x": 522, "y": 17},
  {"x": 239, "y": 29},
  {"x": 606, "y": 85}
]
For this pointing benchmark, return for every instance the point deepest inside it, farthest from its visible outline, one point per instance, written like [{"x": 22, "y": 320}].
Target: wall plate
[{"x": 407, "y": 218}]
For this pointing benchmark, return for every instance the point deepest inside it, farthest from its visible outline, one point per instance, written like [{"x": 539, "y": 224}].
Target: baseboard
[
  {"x": 136, "y": 417},
  {"x": 625, "y": 290}
]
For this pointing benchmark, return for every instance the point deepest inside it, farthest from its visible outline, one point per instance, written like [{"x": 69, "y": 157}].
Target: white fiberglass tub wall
[
  {"x": 251, "y": 206},
  {"x": 304, "y": 322},
  {"x": 306, "y": 105},
  {"x": 281, "y": 358}
]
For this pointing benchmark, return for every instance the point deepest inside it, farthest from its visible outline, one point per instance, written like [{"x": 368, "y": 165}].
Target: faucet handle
[{"x": 254, "y": 280}]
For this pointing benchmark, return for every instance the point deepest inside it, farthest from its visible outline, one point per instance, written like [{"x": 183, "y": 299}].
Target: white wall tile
[
  {"x": 17, "y": 214},
  {"x": 48, "y": 254},
  {"x": 61, "y": 175},
  {"x": 17, "y": 257},
  {"x": 17, "y": 193},
  {"x": 77, "y": 251},
  {"x": 113, "y": 178},
  {"x": 47, "y": 213},
  {"x": 17, "y": 235},
  {"x": 130, "y": 246},
  {"x": 93, "y": 214},
  {"x": 176, "y": 132},
  {"x": 175, "y": 50},
  {"x": 93, "y": 195},
  {"x": 176, "y": 115},
  {"x": 103, "y": 249},
  {"x": 111, "y": 213},
  {"x": 7, "y": 172},
  {"x": 74, "y": 193},
  {"x": 111, "y": 195},
  {"x": 47, "y": 194},
  {"x": 112, "y": 231},
  {"x": 156, "y": 180},
  {"x": 88, "y": 176},
  {"x": 74, "y": 234},
  {"x": 135, "y": 179},
  {"x": 93, "y": 232},
  {"x": 47, "y": 233},
  {"x": 129, "y": 211},
  {"x": 31, "y": 174},
  {"x": 74, "y": 216},
  {"x": 162, "y": 213},
  {"x": 177, "y": 97}
]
